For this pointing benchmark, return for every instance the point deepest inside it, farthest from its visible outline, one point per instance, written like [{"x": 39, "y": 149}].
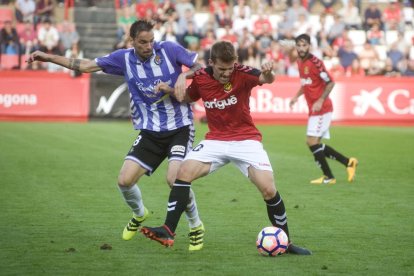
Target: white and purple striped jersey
[{"x": 151, "y": 111}]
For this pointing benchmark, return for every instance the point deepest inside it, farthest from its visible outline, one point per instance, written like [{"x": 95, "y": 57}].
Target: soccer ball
[{"x": 272, "y": 241}]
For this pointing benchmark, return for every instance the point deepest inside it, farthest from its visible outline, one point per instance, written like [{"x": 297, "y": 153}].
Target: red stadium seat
[
  {"x": 6, "y": 14},
  {"x": 9, "y": 61}
]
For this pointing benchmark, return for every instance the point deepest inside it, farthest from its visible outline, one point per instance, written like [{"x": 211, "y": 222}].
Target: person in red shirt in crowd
[
  {"x": 220, "y": 10},
  {"x": 316, "y": 85},
  {"x": 142, "y": 7},
  {"x": 262, "y": 23},
  {"x": 225, "y": 87},
  {"x": 229, "y": 34},
  {"x": 392, "y": 16}
]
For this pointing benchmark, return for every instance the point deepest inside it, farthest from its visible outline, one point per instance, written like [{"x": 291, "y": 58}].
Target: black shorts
[{"x": 150, "y": 148}]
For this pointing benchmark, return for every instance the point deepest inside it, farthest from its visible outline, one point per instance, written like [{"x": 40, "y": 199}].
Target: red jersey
[
  {"x": 313, "y": 78},
  {"x": 227, "y": 105}
]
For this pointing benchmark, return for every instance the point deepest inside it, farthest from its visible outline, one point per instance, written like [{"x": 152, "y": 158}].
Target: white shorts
[
  {"x": 242, "y": 154},
  {"x": 318, "y": 125}
]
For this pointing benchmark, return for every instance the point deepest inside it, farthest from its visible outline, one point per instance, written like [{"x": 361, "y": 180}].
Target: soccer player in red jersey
[
  {"x": 225, "y": 87},
  {"x": 316, "y": 85}
]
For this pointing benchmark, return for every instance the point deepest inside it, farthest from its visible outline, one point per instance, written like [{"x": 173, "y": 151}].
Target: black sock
[
  {"x": 319, "y": 155},
  {"x": 333, "y": 154},
  {"x": 177, "y": 202},
  {"x": 277, "y": 213}
]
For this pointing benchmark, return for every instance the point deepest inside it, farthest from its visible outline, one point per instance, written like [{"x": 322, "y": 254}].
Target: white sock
[
  {"x": 191, "y": 212},
  {"x": 132, "y": 196}
]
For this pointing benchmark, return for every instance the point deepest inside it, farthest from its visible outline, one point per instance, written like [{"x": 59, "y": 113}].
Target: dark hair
[
  {"x": 224, "y": 51},
  {"x": 304, "y": 37},
  {"x": 140, "y": 26}
]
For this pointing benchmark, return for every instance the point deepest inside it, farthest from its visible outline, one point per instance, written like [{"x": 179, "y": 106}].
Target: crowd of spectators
[
  {"x": 353, "y": 37},
  {"x": 33, "y": 27},
  {"x": 377, "y": 40}
]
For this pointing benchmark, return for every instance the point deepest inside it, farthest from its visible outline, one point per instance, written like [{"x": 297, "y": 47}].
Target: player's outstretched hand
[
  {"x": 267, "y": 67},
  {"x": 163, "y": 87},
  {"x": 37, "y": 56},
  {"x": 180, "y": 88}
]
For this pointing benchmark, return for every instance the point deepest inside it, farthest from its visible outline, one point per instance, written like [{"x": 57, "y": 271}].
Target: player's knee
[
  {"x": 124, "y": 180},
  {"x": 268, "y": 192}
]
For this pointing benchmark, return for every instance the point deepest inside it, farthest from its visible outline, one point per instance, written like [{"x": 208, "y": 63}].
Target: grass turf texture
[{"x": 60, "y": 204}]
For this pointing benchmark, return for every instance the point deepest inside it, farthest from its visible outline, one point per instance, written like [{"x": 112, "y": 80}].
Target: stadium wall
[{"x": 42, "y": 96}]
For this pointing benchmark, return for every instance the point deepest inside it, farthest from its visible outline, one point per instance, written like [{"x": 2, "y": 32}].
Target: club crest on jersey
[
  {"x": 227, "y": 87},
  {"x": 306, "y": 70},
  {"x": 157, "y": 60}
]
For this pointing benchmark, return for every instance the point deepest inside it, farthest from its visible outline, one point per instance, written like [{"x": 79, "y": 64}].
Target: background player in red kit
[
  {"x": 316, "y": 84},
  {"x": 225, "y": 88}
]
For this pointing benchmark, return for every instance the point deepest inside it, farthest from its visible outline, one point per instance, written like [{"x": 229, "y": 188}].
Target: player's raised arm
[
  {"x": 267, "y": 75},
  {"x": 163, "y": 87},
  {"x": 181, "y": 83},
  {"x": 82, "y": 65}
]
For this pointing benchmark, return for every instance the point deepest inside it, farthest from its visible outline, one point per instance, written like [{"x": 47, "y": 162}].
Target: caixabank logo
[{"x": 398, "y": 102}]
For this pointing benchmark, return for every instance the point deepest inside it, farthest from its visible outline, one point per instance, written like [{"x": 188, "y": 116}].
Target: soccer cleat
[
  {"x": 131, "y": 229},
  {"x": 161, "y": 234},
  {"x": 324, "y": 180},
  {"x": 351, "y": 168},
  {"x": 196, "y": 236},
  {"x": 294, "y": 249}
]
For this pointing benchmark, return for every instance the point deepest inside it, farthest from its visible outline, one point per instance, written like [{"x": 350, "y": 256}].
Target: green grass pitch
[{"x": 59, "y": 204}]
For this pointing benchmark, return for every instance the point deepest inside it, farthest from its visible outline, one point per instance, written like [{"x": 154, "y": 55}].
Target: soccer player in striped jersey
[
  {"x": 316, "y": 85},
  {"x": 225, "y": 87},
  {"x": 165, "y": 124}
]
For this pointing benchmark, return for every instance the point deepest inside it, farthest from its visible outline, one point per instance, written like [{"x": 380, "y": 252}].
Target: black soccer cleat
[
  {"x": 161, "y": 234},
  {"x": 294, "y": 249}
]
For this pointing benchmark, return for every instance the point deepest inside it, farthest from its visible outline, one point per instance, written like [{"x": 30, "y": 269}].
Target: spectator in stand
[
  {"x": 285, "y": 28},
  {"x": 396, "y": 56},
  {"x": 142, "y": 7},
  {"x": 247, "y": 50},
  {"x": 303, "y": 25},
  {"x": 48, "y": 37},
  {"x": 337, "y": 29},
  {"x": 350, "y": 14},
  {"x": 124, "y": 22},
  {"x": 25, "y": 10},
  {"x": 323, "y": 44},
  {"x": 261, "y": 23},
  {"x": 276, "y": 55},
  {"x": 355, "y": 70},
  {"x": 292, "y": 13},
  {"x": 29, "y": 42},
  {"x": 372, "y": 15},
  {"x": 166, "y": 9},
  {"x": 375, "y": 35},
  {"x": 264, "y": 42},
  {"x": 9, "y": 42},
  {"x": 44, "y": 10},
  {"x": 68, "y": 36},
  {"x": 402, "y": 44},
  {"x": 221, "y": 12},
  {"x": 229, "y": 35},
  {"x": 346, "y": 54},
  {"x": 240, "y": 22},
  {"x": 327, "y": 4},
  {"x": 389, "y": 70},
  {"x": 392, "y": 17},
  {"x": 206, "y": 43},
  {"x": 368, "y": 56},
  {"x": 409, "y": 72},
  {"x": 183, "y": 21},
  {"x": 74, "y": 52},
  {"x": 191, "y": 38},
  {"x": 241, "y": 10},
  {"x": 169, "y": 34},
  {"x": 182, "y": 7}
]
